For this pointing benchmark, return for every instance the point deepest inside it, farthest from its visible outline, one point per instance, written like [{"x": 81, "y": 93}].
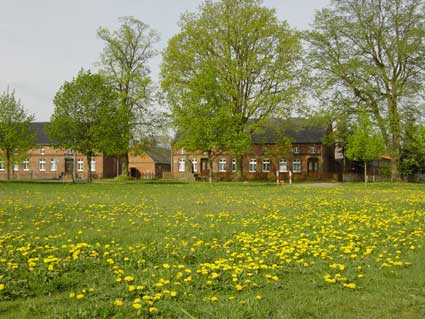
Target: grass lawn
[{"x": 227, "y": 250}]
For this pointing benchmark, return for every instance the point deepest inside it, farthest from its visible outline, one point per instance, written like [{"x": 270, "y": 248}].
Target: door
[
  {"x": 204, "y": 166},
  {"x": 313, "y": 166},
  {"x": 69, "y": 166}
]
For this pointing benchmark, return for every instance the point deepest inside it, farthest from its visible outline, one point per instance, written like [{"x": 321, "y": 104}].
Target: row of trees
[{"x": 234, "y": 64}]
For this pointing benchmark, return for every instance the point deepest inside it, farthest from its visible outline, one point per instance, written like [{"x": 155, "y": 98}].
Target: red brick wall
[
  {"x": 261, "y": 152},
  {"x": 49, "y": 153}
]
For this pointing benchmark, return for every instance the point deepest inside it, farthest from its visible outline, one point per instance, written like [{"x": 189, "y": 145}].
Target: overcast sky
[{"x": 46, "y": 42}]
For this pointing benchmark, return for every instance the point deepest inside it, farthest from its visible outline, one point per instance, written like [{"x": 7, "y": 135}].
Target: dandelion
[
  {"x": 118, "y": 302},
  {"x": 350, "y": 285},
  {"x": 153, "y": 310},
  {"x": 137, "y": 306}
]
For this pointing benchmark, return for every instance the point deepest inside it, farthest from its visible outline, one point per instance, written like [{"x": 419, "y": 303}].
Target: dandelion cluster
[{"x": 141, "y": 255}]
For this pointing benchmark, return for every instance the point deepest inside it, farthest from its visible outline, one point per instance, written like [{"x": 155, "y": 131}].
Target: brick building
[
  {"x": 46, "y": 162},
  {"x": 280, "y": 146}
]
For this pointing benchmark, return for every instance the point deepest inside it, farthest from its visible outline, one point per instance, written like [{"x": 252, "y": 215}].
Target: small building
[
  {"x": 278, "y": 147},
  {"x": 47, "y": 162},
  {"x": 152, "y": 164}
]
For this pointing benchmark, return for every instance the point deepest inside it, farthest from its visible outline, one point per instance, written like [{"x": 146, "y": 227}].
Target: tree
[
  {"x": 413, "y": 151},
  {"x": 82, "y": 115},
  {"x": 364, "y": 144},
  {"x": 124, "y": 61},
  {"x": 202, "y": 124},
  {"x": 370, "y": 55},
  {"x": 251, "y": 54},
  {"x": 16, "y": 136}
]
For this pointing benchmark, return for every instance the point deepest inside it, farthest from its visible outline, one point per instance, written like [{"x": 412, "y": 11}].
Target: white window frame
[
  {"x": 2, "y": 168},
  {"x": 296, "y": 163},
  {"x": 26, "y": 165},
  {"x": 253, "y": 165},
  {"x": 296, "y": 149},
  {"x": 42, "y": 151},
  {"x": 80, "y": 165},
  {"x": 283, "y": 166},
  {"x": 266, "y": 165},
  {"x": 194, "y": 165},
  {"x": 93, "y": 164},
  {"x": 234, "y": 165},
  {"x": 182, "y": 164},
  {"x": 312, "y": 149},
  {"x": 15, "y": 167},
  {"x": 222, "y": 165},
  {"x": 53, "y": 165},
  {"x": 42, "y": 164}
]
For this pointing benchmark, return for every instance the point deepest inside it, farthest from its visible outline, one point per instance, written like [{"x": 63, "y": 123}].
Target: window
[
  {"x": 181, "y": 165},
  {"x": 296, "y": 166},
  {"x": 42, "y": 164},
  {"x": 266, "y": 165},
  {"x": 182, "y": 151},
  {"x": 42, "y": 151},
  {"x": 1, "y": 166},
  {"x": 53, "y": 165},
  {"x": 93, "y": 165},
  {"x": 26, "y": 165},
  {"x": 80, "y": 165},
  {"x": 222, "y": 165},
  {"x": 15, "y": 167},
  {"x": 234, "y": 168},
  {"x": 296, "y": 150},
  {"x": 312, "y": 149},
  {"x": 252, "y": 165},
  {"x": 195, "y": 165},
  {"x": 283, "y": 166}
]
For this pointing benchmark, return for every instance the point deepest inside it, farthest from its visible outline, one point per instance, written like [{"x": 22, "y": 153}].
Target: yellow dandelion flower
[
  {"x": 213, "y": 299},
  {"x": 350, "y": 285},
  {"x": 153, "y": 310},
  {"x": 118, "y": 302},
  {"x": 137, "y": 306}
]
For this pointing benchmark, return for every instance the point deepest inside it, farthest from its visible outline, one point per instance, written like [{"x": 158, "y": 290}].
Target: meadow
[{"x": 225, "y": 250}]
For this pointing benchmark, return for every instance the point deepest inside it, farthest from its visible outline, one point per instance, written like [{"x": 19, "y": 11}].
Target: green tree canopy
[
  {"x": 243, "y": 53},
  {"x": 370, "y": 55},
  {"x": 365, "y": 143},
  {"x": 16, "y": 136},
  {"x": 84, "y": 111},
  {"x": 124, "y": 61}
]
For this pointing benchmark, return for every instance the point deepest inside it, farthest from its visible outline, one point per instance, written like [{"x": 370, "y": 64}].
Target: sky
[{"x": 46, "y": 42}]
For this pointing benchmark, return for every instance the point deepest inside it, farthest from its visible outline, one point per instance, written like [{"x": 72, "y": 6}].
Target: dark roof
[
  {"x": 159, "y": 155},
  {"x": 40, "y": 132},
  {"x": 299, "y": 130}
]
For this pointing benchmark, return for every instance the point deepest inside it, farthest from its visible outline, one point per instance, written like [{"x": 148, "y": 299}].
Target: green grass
[{"x": 263, "y": 251}]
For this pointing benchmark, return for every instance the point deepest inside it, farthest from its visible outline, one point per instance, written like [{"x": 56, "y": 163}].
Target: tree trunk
[
  {"x": 365, "y": 172},
  {"x": 210, "y": 168},
  {"x": 8, "y": 164},
  {"x": 124, "y": 163},
  {"x": 394, "y": 123},
  {"x": 239, "y": 170},
  {"x": 89, "y": 177}
]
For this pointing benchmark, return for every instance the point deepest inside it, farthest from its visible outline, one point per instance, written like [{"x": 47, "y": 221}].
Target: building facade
[
  {"x": 306, "y": 156},
  {"x": 46, "y": 162}
]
